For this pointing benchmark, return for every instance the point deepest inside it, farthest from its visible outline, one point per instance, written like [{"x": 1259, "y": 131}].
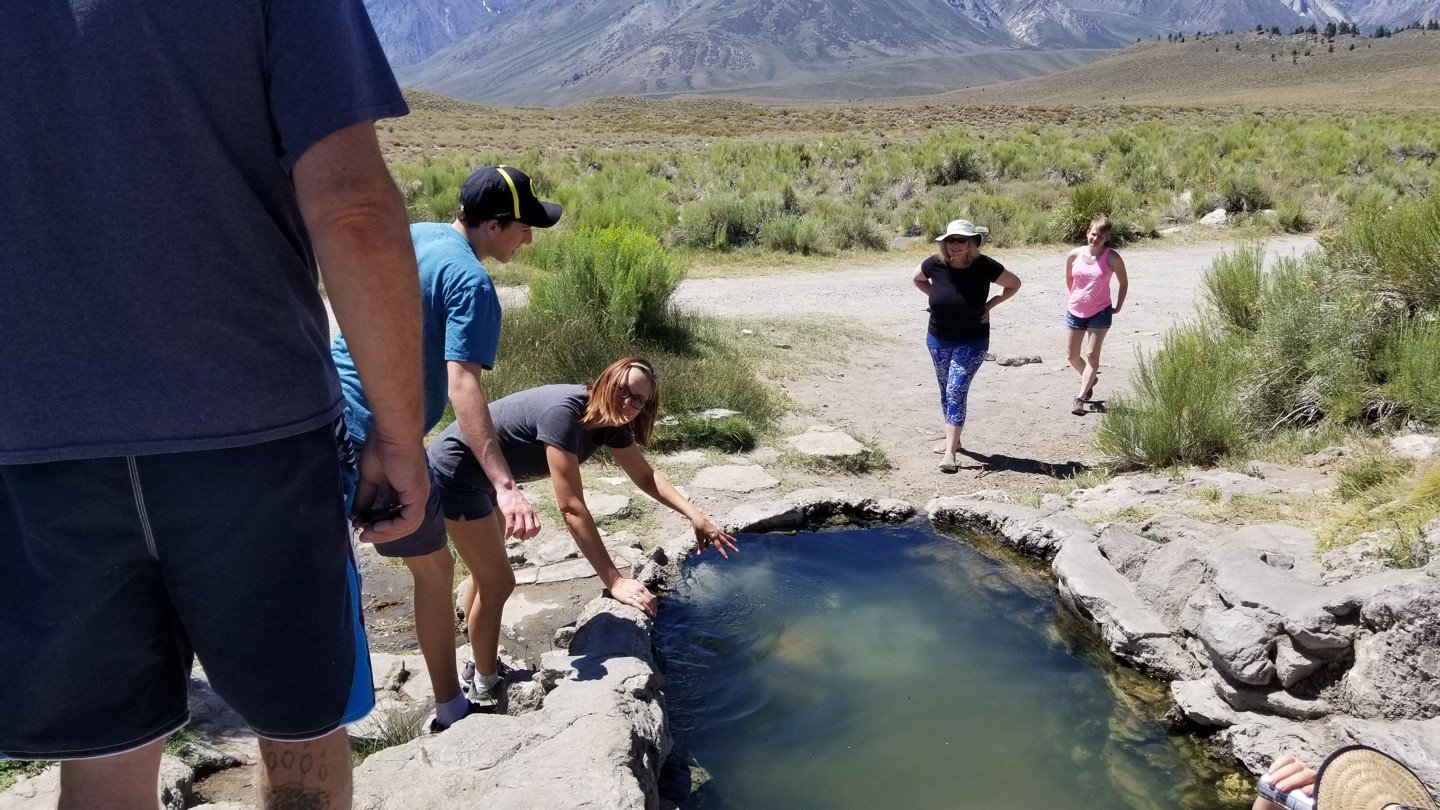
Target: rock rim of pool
[{"x": 1267, "y": 646}]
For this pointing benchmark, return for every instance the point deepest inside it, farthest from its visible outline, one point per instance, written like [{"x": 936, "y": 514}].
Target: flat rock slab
[
  {"x": 1232, "y": 483},
  {"x": 826, "y": 443},
  {"x": 605, "y": 506},
  {"x": 1017, "y": 359},
  {"x": 1416, "y": 446},
  {"x": 1299, "y": 480},
  {"x": 734, "y": 478},
  {"x": 519, "y": 607}
]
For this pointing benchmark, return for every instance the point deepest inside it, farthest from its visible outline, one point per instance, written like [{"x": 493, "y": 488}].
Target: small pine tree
[
  {"x": 1352, "y": 46},
  {"x": 1331, "y": 49},
  {"x": 1237, "y": 46},
  {"x": 1311, "y": 30},
  {"x": 1330, "y": 30},
  {"x": 1275, "y": 29}
]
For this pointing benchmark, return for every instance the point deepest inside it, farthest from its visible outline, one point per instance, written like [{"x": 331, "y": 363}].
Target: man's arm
[
  {"x": 357, "y": 223},
  {"x": 472, "y": 411}
]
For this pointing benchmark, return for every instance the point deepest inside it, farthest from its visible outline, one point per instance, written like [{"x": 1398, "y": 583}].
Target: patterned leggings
[{"x": 955, "y": 365}]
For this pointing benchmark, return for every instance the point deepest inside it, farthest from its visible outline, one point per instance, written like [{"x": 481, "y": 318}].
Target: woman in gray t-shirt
[{"x": 549, "y": 431}]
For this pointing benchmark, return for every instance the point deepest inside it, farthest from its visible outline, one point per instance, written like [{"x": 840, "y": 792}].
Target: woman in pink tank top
[{"x": 1088, "y": 270}]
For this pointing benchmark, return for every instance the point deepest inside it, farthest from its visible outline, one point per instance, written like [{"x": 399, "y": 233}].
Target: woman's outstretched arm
[
  {"x": 570, "y": 497},
  {"x": 653, "y": 483}
]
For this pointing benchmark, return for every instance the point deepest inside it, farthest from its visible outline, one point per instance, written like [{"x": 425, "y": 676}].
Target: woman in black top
[{"x": 957, "y": 280}]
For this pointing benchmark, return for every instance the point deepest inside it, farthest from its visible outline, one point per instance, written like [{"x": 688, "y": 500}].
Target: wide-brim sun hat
[
  {"x": 1357, "y": 777},
  {"x": 961, "y": 227}
]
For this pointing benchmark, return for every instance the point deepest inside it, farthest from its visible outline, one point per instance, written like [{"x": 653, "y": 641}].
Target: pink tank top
[{"x": 1089, "y": 285}]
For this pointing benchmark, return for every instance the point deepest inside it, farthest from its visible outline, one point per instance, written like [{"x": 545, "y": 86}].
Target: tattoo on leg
[{"x": 295, "y": 796}]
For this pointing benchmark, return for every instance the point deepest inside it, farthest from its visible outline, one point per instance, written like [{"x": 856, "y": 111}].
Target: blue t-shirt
[
  {"x": 159, "y": 288},
  {"x": 461, "y": 316}
]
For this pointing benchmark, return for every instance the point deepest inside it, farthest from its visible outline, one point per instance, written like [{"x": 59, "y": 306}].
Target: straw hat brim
[{"x": 1360, "y": 778}]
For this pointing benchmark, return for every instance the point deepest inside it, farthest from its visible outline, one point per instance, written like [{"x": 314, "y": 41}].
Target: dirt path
[{"x": 1020, "y": 430}]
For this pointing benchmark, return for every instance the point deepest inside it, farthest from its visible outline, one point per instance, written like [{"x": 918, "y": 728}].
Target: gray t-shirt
[
  {"x": 527, "y": 422},
  {"x": 160, "y": 288}
]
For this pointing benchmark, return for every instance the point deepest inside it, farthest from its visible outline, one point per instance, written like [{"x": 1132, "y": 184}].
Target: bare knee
[
  {"x": 1092, "y": 358},
  {"x": 435, "y": 567}
]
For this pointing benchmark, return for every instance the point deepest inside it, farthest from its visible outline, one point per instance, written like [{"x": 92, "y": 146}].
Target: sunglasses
[{"x": 955, "y": 240}]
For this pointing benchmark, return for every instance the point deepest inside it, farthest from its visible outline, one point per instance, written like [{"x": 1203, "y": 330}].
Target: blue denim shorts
[
  {"x": 120, "y": 571},
  {"x": 1100, "y": 320}
]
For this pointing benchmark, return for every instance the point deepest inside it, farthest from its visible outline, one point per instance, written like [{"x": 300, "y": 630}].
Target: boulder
[
  {"x": 1200, "y": 703},
  {"x": 1241, "y": 643},
  {"x": 1416, "y": 446},
  {"x": 1257, "y": 740},
  {"x": 1098, "y": 593},
  {"x": 1270, "y": 700},
  {"x": 734, "y": 478},
  {"x": 1322, "y": 458},
  {"x": 607, "y": 506},
  {"x": 1396, "y": 673},
  {"x": 763, "y": 516},
  {"x": 1367, "y": 554},
  {"x": 1294, "y": 663},
  {"x": 1215, "y": 219},
  {"x": 1126, "y": 550},
  {"x": 1172, "y": 574},
  {"x": 598, "y": 740},
  {"x": 1232, "y": 483},
  {"x": 826, "y": 442}
]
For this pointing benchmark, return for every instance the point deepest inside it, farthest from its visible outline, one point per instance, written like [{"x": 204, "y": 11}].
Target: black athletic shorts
[{"x": 116, "y": 572}]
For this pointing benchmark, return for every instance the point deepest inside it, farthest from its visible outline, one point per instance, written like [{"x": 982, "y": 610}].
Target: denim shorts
[
  {"x": 118, "y": 572},
  {"x": 465, "y": 491},
  {"x": 1100, "y": 320}
]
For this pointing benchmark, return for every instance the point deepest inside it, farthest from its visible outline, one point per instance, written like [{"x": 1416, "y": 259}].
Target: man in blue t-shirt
[
  {"x": 175, "y": 175},
  {"x": 460, "y": 313}
]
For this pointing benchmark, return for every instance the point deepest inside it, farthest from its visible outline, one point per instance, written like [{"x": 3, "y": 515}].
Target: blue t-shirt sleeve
[
  {"x": 326, "y": 71},
  {"x": 472, "y": 317}
]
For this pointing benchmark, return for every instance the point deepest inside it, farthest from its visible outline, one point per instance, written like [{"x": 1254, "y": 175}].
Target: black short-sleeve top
[{"x": 958, "y": 296}]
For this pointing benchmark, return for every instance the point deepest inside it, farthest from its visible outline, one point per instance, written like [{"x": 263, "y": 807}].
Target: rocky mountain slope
[{"x": 555, "y": 52}]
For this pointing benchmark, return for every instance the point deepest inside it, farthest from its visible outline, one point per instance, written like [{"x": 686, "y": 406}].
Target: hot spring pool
[{"x": 896, "y": 668}]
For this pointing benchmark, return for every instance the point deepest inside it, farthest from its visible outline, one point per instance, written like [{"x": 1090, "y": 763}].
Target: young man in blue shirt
[{"x": 461, "y": 322}]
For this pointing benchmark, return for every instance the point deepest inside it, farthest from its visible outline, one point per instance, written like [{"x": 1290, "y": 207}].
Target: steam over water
[{"x": 896, "y": 668}]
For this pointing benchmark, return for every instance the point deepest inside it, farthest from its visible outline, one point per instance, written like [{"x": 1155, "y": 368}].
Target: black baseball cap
[{"x": 504, "y": 193}]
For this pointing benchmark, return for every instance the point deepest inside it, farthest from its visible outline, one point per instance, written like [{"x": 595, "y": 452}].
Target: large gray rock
[
  {"x": 213, "y": 721},
  {"x": 1367, "y": 554},
  {"x": 607, "y": 506},
  {"x": 598, "y": 741},
  {"x": 1123, "y": 493},
  {"x": 1397, "y": 668},
  {"x": 1256, "y": 741},
  {"x": 1125, "y": 549},
  {"x": 1241, "y": 643},
  {"x": 1416, "y": 446},
  {"x": 826, "y": 442},
  {"x": 1200, "y": 703},
  {"x": 763, "y": 516},
  {"x": 1271, "y": 701},
  {"x": 1215, "y": 219},
  {"x": 1322, "y": 458},
  {"x": 1028, "y": 530},
  {"x": 1232, "y": 483},
  {"x": 1171, "y": 577},
  {"x": 1293, "y": 663},
  {"x": 1131, "y": 631},
  {"x": 734, "y": 478}
]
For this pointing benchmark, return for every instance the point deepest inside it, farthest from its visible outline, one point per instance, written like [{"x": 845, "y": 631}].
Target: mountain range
[{"x": 556, "y": 52}]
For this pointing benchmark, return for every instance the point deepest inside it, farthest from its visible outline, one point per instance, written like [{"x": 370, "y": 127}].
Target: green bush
[
  {"x": 1243, "y": 193},
  {"x": 723, "y": 222},
  {"x": 1410, "y": 362},
  {"x": 1400, "y": 248},
  {"x": 620, "y": 276},
  {"x": 1235, "y": 286},
  {"x": 732, "y": 434},
  {"x": 1088, "y": 201},
  {"x": 791, "y": 234},
  {"x": 963, "y": 164},
  {"x": 1292, "y": 218},
  {"x": 1183, "y": 407}
]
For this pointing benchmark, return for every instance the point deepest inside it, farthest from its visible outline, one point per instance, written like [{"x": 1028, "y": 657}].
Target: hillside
[{"x": 1397, "y": 72}]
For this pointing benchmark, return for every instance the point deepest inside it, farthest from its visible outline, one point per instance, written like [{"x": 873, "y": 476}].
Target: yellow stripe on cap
[{"x": 514, "y": 193}]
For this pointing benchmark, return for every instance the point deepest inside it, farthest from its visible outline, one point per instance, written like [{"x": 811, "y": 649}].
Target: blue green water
[{"x": 898, "y": 668}]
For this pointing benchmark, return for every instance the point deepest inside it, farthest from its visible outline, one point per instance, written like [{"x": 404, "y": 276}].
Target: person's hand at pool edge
[
  {"x": 630, "y": 592},
  {"x": 707, "y": 535}
]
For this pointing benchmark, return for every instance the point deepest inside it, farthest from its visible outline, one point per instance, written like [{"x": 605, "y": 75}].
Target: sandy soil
[{"x": 1020, "y": 431}]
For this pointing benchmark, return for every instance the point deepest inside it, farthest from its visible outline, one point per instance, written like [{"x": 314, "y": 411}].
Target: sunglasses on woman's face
[{"x": 955, "y": 240}]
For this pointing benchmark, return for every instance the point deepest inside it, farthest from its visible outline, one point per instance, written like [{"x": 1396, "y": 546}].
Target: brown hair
[
  {"x": 603, "y": 411},
  {"x": 1101, "y": 224}
]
